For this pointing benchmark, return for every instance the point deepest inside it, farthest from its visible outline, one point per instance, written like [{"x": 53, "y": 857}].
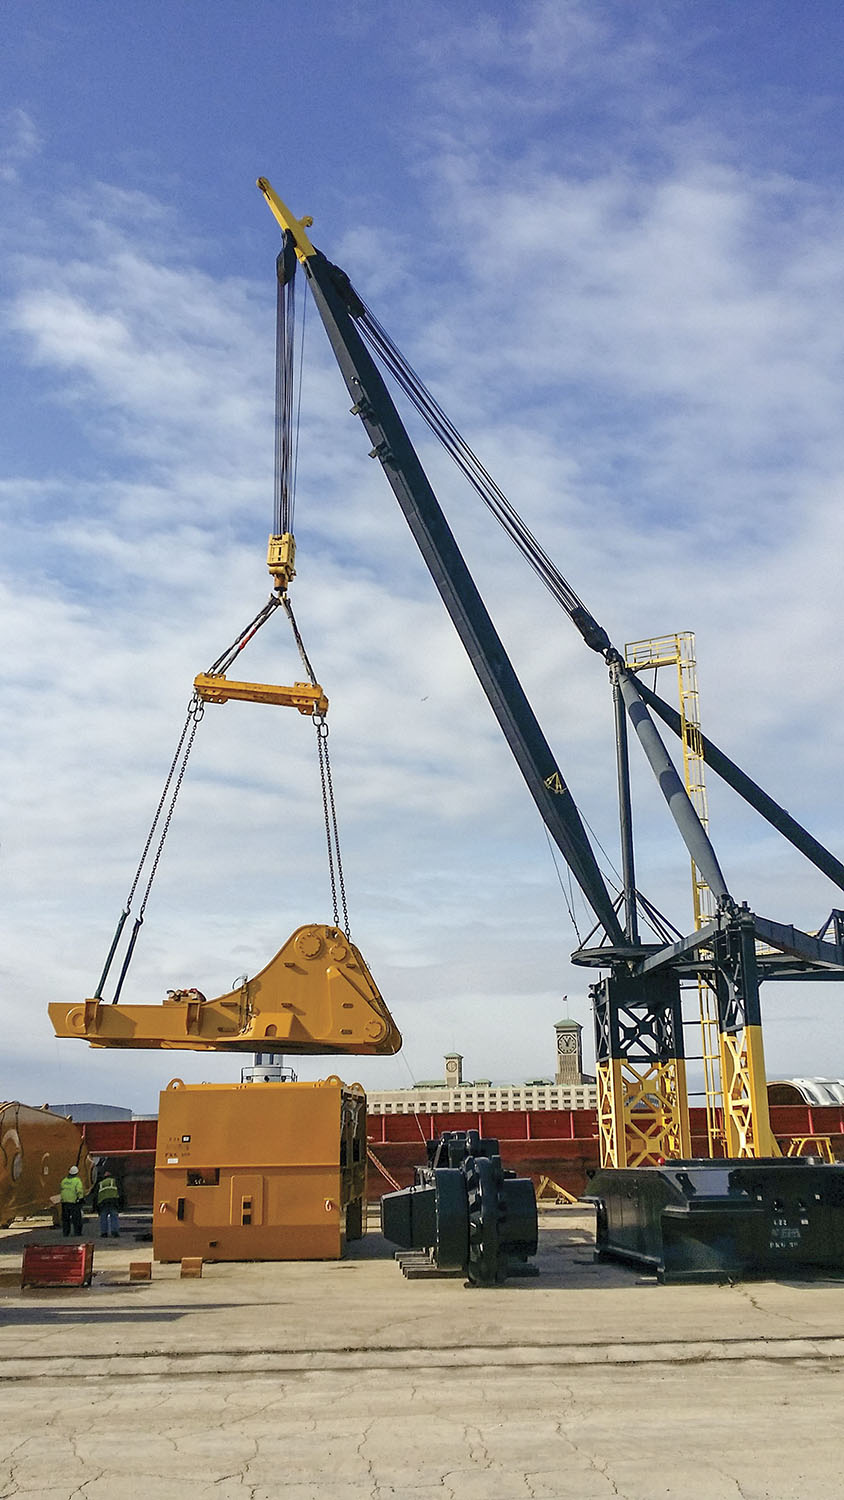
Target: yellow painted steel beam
[
  {"x": 296, "y": 227},
  {"x": 308, "y": 697},
  {"x": 315, "y": 997},
  {"x": 821, "y": 1146},
  {"x": 612, "y": 1137},
  {"x": 549, "y": 1189},
  {"x": 643, "y": 1112},
  {"x": 747, "y": 1121},
  {"x": 656, "y": 1112}
]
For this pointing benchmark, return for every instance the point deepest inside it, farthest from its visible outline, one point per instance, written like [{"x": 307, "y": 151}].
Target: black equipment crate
[{"x": 721, "y": 1220}]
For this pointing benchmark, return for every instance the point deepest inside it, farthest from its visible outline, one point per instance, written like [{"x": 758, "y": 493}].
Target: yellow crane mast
[{"x": 737, "y": 1118}]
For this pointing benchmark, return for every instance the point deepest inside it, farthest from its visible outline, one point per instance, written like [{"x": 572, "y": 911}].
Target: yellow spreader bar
[{"x": 306, "y": 696}]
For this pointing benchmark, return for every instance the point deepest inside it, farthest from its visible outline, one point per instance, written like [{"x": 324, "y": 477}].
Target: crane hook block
[
  {"x": 281, "y": 558},
  {"x": 308, "y": 697},
  {"x": 316, "y": 996}
]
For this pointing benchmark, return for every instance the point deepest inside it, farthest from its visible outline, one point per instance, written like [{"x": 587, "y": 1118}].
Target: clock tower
[
  {"x": 453, "y": 1069},
  {"x": 569, "y": 1052}
]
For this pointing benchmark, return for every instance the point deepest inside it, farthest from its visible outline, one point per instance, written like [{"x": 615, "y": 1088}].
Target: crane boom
[
  {"x": 373, "y": 404},
  {"x": 643, "y": 1114}
]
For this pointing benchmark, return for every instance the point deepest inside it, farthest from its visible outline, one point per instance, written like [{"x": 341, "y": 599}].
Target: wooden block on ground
[
  {"x": 191, "y": 1265},
  {"x": 140, "y": 1270}
]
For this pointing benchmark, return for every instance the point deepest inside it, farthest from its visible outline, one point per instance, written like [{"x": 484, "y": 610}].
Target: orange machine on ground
[
  {"x": 259, "y": 1171},
  {"x": 36, "y": 1149}
]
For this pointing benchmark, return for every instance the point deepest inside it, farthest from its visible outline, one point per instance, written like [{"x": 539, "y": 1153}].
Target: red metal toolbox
[{"x": 58, "y": 1265}]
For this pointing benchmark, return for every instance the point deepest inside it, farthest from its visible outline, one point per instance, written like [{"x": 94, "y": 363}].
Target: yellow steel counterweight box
[{"x": 259, "y": 1171}]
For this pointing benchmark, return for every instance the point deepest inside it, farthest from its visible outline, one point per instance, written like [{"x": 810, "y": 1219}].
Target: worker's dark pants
[{"x": 71, "y": 1218}]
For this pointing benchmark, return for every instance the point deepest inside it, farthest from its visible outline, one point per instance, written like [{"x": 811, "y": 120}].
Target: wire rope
[
  {"x": 569, "y": 903},
  {"x": 283, "y": 495},
  {"x": 473, "y": 469},
  {"x": 512, "y": 523},
  {"x": 332, "y": 832},
  {"x": 298, "y": 415}
]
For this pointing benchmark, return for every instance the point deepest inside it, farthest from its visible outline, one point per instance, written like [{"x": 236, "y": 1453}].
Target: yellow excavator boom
[{"x": 315, "y": 997}]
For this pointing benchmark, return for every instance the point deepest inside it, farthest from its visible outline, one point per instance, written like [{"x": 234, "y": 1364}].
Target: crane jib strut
[{"x": 752, "y": 794}]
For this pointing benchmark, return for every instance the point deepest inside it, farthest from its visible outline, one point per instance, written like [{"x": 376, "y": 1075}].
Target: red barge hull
[{"x": 561, "y": 1144}]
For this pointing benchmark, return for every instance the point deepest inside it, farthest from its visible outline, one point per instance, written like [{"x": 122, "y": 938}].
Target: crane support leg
[
  {"x": 643, "y": 1107},
  {"x": 747, "y": 1124}
]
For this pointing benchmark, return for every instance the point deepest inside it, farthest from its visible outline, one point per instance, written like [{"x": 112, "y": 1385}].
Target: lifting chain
[
  {"x": 196, "y": 711},
  {"x": 178, "y": 766},
  {"x": 332, "y": 836},
  {"x": 173, "y": 785}
]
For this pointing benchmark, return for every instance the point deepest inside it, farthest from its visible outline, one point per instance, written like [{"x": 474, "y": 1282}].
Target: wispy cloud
[
  {"x": 20, "y": 143},
  {"x": 640, "y": 345}
]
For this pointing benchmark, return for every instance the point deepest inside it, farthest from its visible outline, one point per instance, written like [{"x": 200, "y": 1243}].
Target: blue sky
[{"x": 610, "y": 239}]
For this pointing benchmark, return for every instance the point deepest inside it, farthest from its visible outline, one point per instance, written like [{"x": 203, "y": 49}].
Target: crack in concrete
[
  {"x": 593, "y": 1463},
  {"x": 80, "y": 1489},
  {"x": 769, "y": 1312},
  {"x": 485, "y": 1462},
  {"x": 741, "y": 1492}
]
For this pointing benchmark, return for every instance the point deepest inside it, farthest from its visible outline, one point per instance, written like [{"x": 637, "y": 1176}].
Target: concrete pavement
[{"x": 341, "y": 1379}]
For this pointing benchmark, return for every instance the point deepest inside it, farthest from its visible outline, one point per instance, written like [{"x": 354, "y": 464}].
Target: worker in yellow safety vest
[
  {"x": 107, "y": 1202},
  {"x": 71, "y": 1193}
]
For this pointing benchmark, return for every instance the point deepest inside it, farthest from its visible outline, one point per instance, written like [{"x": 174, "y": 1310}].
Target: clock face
[
  {"x": 567, "y": 1042},
  {"x": 451, "y": 1067}
]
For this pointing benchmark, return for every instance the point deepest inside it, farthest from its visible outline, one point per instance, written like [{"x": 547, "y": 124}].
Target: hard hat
[{"x": 74, "y": 1172}]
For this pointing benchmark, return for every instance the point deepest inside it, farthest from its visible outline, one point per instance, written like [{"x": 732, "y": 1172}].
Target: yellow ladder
[{"x": 678, "y": 651}]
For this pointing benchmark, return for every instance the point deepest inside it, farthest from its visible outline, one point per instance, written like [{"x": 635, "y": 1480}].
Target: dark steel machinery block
[
  {"x": 723, "y": 1220},
  {"x": 432, "y": 1216},
  {"x": 470, "y": 1215}
]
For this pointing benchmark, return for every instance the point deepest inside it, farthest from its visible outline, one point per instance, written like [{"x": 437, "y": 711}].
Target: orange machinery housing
[
  {"x": 220, "y": 1192},
  {"x": 36, "y": 1149}
]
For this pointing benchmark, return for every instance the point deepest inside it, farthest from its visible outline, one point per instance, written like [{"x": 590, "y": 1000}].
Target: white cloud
[
  {"x": 20, "y": 143},
  {"x": 646, "y": 358}
]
